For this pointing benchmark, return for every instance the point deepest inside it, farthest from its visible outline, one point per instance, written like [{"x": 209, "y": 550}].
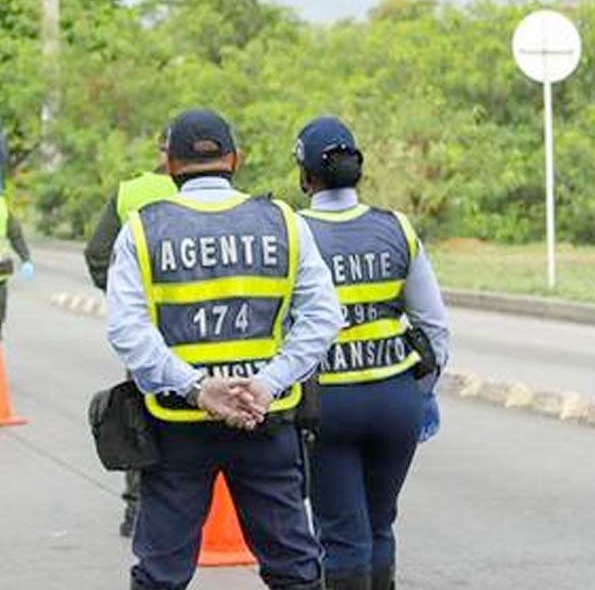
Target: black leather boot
[
  {"x": 136, "y": 584},
  {"x": 350, "y": 583},
  {"x": 314, "y": 585},
  {"x": 384, "y": 579},
  {"x": 127, "y": 524}
]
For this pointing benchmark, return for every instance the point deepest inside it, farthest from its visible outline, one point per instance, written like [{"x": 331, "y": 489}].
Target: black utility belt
[{"x": 172, "y": 401}]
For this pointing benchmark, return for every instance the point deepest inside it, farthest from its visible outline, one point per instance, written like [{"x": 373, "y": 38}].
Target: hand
[
  {"x": 430, "y": 419},
  {"x": 257, "y": 396},
  {"x": 234, "y": 407},
  {"x": 27, "y": 270}
]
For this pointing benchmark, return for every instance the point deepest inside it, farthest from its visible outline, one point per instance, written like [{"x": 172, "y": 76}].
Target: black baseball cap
[
  {"x": 319, "y": 137},
  {"x": 191, "y": 129}
]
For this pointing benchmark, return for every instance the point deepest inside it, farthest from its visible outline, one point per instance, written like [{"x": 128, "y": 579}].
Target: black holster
[
  {"x": 307, "y": 413},
  {"x": 419, "y": 341}
]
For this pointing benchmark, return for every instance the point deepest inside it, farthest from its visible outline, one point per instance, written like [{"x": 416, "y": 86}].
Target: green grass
[{"x": 483, "y": 266}]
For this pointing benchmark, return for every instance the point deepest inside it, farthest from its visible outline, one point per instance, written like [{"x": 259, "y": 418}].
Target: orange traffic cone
[
  {"x": 7, "y": 418},
  {"x": 222, "y": 539}
]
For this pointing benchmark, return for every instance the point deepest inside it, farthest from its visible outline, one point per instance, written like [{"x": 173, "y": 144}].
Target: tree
[{"x": 451, "y": 129}]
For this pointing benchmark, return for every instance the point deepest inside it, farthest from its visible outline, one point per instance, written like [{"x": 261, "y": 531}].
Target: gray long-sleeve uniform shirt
[{"x": 314, "y": 312}]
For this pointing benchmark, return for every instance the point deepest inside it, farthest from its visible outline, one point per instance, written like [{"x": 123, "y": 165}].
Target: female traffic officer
[{"x": 372, "y": 406}]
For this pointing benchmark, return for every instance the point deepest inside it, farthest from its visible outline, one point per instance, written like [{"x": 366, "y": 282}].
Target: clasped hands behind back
[{"x": 239, "y": 402}]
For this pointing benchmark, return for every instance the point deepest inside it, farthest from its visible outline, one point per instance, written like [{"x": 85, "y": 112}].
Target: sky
[{"x": 329, "y": 10}]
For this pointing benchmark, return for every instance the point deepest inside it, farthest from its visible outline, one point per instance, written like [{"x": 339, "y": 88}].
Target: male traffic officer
[
  {"x": 130, "y": 196},
  {"x": 372, "y": 406},
  {"x": 205, "y": 289}
]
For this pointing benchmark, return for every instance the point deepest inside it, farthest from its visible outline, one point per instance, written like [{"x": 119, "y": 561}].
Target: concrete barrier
[{"x": 562, "y": 405}]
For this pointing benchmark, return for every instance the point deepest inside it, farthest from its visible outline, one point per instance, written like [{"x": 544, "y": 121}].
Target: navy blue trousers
[
  {"x": 264, "y": 474},
  {"x": 368, "y": 437}
]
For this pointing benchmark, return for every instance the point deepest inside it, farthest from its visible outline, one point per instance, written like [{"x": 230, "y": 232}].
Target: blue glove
[
  {"x": 27, "y": 270},
  {"x": 430, "y": 423}
]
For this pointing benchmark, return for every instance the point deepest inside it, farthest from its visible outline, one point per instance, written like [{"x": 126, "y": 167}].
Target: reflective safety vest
[
  {"x": 219, "y": 279},
  {"x": 368, "y": 252},
  {"x": 141, "y": 190},
  {"x": 4, "y": 247}
]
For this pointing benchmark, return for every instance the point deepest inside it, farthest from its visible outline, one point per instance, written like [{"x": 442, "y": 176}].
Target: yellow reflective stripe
[
  {"x": 220, "y": 288},
  {"x": 288, "y": 402},
  {"x": 191, "y": 415},
  {"x": 374, "y": 374},
  {"x": 409, "y": 232},
  {"x": 170, "y": 415},
  {"x": 227, "y": 351},
  {"x": 337, "y": 216},
  {"x": 144, "y": 260},
  {"x": 369, "y": 292},
  {"x": 224, "y": 205},
  {"x": 293, "y": 249},
  {"x": 385, "y": 328}
]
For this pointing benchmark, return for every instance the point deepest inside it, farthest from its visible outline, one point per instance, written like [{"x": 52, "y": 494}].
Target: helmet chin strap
[{"x": 304, "y": 181}]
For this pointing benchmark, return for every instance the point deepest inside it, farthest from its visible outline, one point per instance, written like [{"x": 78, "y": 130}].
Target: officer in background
[
  {"x": 3, "y": 159},
  {"x": 372, "y": 407},
  {"x": 130, "y": 196},
  {"x": 11, "y": 236},
  {"x": 204, "y": 288}
]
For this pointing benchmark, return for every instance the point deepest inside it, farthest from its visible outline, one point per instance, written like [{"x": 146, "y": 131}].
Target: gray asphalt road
[
  {"x": 501, "y": 499},
  {"x": 544, "y": 354}
]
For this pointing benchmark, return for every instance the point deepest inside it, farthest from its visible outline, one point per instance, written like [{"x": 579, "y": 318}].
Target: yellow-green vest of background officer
[
  {"x": 142, "y": 190},
  {"x": 369, "y": 284},
  {"x": 217, "y": 289}
]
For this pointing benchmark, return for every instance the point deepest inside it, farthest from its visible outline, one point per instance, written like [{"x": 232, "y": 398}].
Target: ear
[
  {"x": 171, "y": 165},
  {"x": 238, "y": 160}
]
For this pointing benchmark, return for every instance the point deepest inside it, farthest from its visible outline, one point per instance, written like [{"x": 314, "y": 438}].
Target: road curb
[
  {"x": 542, "y": 307},
  {"x": 563, "y": 405},
  {"x": 80, "y": 304}
]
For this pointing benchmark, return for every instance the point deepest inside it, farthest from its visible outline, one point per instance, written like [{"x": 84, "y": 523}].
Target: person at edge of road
[
  {"x": 3, "y": 158},
  {"x": 208, "y": 286},
  {"x": 372, "y": 408},
  {"x": 11, "y": 236},
  {"x": 130, "y": 196}
]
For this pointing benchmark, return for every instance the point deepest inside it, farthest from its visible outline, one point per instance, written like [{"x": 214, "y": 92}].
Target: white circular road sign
[{"x": 546, "y": 46}]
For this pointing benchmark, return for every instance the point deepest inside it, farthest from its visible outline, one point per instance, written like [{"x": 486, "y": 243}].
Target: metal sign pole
[
  {"x": 547, "y": 48},
  {"x": 549, "y": 183}
]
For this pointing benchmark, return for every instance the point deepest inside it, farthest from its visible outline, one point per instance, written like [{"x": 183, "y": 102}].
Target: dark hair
[{"x": 341, "y": 169}]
